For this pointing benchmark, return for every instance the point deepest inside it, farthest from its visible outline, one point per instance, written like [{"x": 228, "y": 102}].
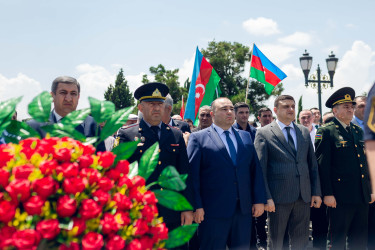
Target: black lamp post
[{"x": 318, "y": 81}]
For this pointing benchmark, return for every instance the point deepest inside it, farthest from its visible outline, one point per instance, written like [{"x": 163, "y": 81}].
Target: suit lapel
[
  {"x": 165, "y": 130},
  {"x": 219, "y": 143},
  {"x": 146, "y": 132},
  {"x": 240, "y": 146},
  {"x": 343, "y": 131},
  {"x": 280, "y": 136}
]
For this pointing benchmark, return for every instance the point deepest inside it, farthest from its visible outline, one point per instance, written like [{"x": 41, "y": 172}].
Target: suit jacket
[
  {"x": 217, "y": 182},
  {"x": 249, "y": 129},
  {"x": 355, "y": 122},
  {"x": 342, "y": 163},
  {"x": 181, "y": 125},
  {"x": 287, "y": 176},
  {"x": 87, "y": 128},
  {"x": 172, "y": 153}
]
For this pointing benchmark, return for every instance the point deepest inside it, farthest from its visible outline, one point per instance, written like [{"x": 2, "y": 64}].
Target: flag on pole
[
  {"x": 203, "y": 88},
  {"x": 264, "y": 71},
  {"x": 182, "y": 112}
]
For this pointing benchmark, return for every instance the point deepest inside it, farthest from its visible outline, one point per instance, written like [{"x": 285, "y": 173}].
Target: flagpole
[{"x": 248, "y": 80}]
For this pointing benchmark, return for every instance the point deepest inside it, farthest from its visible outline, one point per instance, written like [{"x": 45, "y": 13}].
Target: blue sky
[{"x": 91, "y": 40}]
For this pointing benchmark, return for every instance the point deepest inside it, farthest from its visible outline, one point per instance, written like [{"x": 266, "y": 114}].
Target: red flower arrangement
[{"x": 58, "y": 192}]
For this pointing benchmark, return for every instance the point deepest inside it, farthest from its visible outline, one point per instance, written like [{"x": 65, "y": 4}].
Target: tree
[
  {"x": 300, "y": 108},
  {"x": 120, "y": 94},
  {"x": 228, "y": 59}
]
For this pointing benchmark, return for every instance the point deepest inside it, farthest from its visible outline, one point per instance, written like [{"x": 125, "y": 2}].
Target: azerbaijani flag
[
  {"x": 264, "y": 71},
  {"x": 182, "y": 112},
  {"x": 204, "y": 83}
]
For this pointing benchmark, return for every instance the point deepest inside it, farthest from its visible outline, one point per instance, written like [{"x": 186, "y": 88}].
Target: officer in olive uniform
[
  {"x": 172, "y": 147},
  {"x": 369, "y": 137},
  {"x": 344, "y": 174}
]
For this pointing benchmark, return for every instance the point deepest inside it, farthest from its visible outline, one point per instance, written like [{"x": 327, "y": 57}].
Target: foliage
[
  {"x": 119, "y": 94},
  {"x": 300, "y": 108}
]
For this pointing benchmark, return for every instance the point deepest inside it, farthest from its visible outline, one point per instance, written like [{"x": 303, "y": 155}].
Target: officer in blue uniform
[{"x": 172, "y": 149}]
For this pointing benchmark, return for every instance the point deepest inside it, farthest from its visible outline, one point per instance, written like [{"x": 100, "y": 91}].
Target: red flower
[
  {"x": 138, "y": 181},
  {"x": 74, "y": 185},
  {"x": 92, "y": 175},
  {"x": 113, "y": 174},
  {"x": 122, "y": 201},
  {"x": 49, "y": 229},
  {"x": 26, "y": 239},
  {"x": 89, "y": 209},
  {"x": 115, "y": 243},
  {"x": 85, "y": 161},
  {"x": 4, "y": 155},
  {"x": 19, "y": 190},
  {"x": 63, "y": 154},
  {"x": 46, "y": 146},
  {"x": 122, "y": 218},
  {"x": 23, "y": 171},
  {"x": 124, "y": 180},
  {"x": 68, "y": 169},
  {"x": 106, "y": 159},
  {"x": 6, "y": 234},
  {"x": 160, "y": 231},
  {"x": 88, "y": 149},
  {"x": 4, "y": 177},
  {"x": 7, "y": 211},
  {"x": 79, "y": 224},
  {"x": 45, "y": 187},
  {"x": 66, "y": 206},
  {"x": 147, "y": 242},
  {"x": 149, "y": 198},
  {"x": 105, "y": 184},
  {"x": 123, "y": 167},
  {"x": 109, "y": 224},
  {"x": 101, "y": 197},
  {"x": 33, "y": 206},
  {"x": 140, "y": 227},
  {"x": 134, "y": 245},
  {"x": 147, "y": 214},
  {"x": 73, "y": 246},
  {"x": 46, "y": 167},
  {"x": 92, "y": 241},
  {"x": 135, "y": 194}
]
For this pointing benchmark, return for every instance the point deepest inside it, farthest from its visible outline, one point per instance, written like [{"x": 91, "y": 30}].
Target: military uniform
[
  {"x": 172, "y": 149},
  {"x": 344, "y": 174}
]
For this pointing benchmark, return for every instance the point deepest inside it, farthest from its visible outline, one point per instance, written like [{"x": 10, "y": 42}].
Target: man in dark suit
[
  {"x": 65, "y": 92},
  {"x": 344, "y": 174},
  {"x": 290, "y": 171},
  {"x": 167, "y": 119},
  {"x": 228, "y": 184},
  {"x": 172, "y": 147}
]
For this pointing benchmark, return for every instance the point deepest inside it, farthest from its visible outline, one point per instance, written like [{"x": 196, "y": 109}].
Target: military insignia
[
  {"x": 175, "y": 145},
  {"x": 341, "y": 138},
  {"x": 140, "y": 129},
  {"x": 318, "y": 137},
  {"x": 136, "y": 138},
  {"x": 117, "y": 142},
  {"x": 140, "y": 144},
  {"x": 168, "y": 128},
  {"x": 343, "y": 143},
  {"x": 156, "y": 93},
  {"x": 143, "y": 139},
  {"x": 371, "y": 117}
]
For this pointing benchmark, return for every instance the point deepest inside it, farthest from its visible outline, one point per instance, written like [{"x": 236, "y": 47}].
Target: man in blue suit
[{"x": 227, "y": 181}]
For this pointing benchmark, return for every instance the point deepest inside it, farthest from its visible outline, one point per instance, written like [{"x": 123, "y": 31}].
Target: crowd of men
[{"x": 256, "y": 188}]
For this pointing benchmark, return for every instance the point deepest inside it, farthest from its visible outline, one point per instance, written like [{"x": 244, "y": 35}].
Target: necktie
[
  {"x": 232, "y": 149},
  {"x": 155, "y": 129},
  {"x": 290, "y": 140},
  {"x": 348, "y": 129}
]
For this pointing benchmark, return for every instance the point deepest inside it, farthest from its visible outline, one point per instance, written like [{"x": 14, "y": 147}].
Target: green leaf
[
  {"x": 7, "y": 109},
  {"x": 61, "y": 130},
  {"x": 148, "y": 161},
  {"x": 115, "y": 122},
  {"x": 124, "y": 150},
  {"x": 133, "y": 169},
  {"x": 101, "y": 110},
  {"x": 180, "y": 235},
  {"x": 91, "y": 140},
  {"x": 75, "y": 118},
  {"x": 40, "y": 107},
  {"x": 172, "y": 200},
  {"x": 171, "y": 179},
  {"x": 184, "y": 177},
  {"x": 19, "y": 130}
]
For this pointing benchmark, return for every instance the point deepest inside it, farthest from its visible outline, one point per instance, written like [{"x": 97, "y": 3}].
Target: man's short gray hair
[
  {"x": 169, "y": 100},
  {"x": 205, "y": 107},
  {"x": 66, "y": 80}
]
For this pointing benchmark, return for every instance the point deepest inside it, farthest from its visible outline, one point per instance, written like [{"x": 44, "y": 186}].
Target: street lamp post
[{"x": 318, "y": 81}]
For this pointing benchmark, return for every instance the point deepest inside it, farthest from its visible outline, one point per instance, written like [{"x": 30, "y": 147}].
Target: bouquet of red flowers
[{"x": 57, "y": 193}]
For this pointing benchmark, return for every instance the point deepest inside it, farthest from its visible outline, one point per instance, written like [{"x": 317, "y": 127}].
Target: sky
[{"x": 91, "y": 40}]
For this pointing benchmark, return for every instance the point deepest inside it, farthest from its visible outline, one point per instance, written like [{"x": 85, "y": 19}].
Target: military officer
[
  {"x": 344, "y": 174},
  {"x": 172, "y": 150}
]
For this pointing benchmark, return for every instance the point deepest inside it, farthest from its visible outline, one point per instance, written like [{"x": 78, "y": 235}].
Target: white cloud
[
  {"x": 297, "y": 39},
  {"x": 186, "y": 70},
  {"x": 293, "y": 72},
  {"x": 261, "y": 26},
  {"x": 277, "y": 53},
  {"x": 21, "y": 85}
]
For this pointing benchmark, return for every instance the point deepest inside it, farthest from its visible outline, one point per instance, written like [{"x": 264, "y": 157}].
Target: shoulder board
[
  {"x": 328, "y": 124},
  {"x": 130, "y": 126},
  {"x": 355, "y": 125}
]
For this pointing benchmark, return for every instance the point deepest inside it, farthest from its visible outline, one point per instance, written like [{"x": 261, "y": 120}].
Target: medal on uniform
[
  {"x": 341, "y": 138},
  {"x": 143, "y": 139},
  {"x": 136, "y": 138}
]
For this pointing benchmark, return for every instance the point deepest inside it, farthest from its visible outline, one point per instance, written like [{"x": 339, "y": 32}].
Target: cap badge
[{"x": 156, "y": 93}]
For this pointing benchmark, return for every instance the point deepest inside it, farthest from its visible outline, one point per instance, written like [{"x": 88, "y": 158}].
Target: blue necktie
[
  {"x": 232, "y": 149},
  {"x": 291, "y": 141}
]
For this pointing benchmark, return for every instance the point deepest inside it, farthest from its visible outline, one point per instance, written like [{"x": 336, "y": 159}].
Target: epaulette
[
  {"x": 356, "y": 126},
  {"x": 328, "y": 124}
]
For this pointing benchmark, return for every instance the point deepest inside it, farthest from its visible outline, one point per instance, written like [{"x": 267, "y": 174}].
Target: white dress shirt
[
  {"x": 292, "y": 131},
  {"x": 223, "y": 137},
  {"x": 312, "y": 136}
]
